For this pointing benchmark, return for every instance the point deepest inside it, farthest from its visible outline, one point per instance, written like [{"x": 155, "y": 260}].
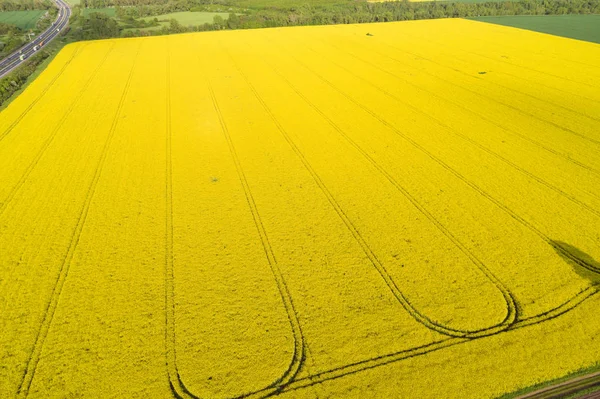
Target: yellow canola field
[{"x": 303, "y": 212}]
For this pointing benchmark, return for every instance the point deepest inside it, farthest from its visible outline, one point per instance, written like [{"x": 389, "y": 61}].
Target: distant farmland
[
  {"x": 381, "y": 210},
  {"x": 187, "y": 18},
  {"x": 22, "y": 19},
  {"x": 581, "y": 27}
]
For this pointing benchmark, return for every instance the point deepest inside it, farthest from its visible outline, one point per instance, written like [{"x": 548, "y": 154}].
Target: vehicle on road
[{"x": 34, "y": 44}]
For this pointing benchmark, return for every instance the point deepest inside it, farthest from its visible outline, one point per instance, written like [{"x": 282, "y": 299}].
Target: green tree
[
  {"x": 99, "y": 26},
  {"x": 218, "y": 22},
  {"x": 175, "y": 26},
  {"x": 233, "y": 22}
]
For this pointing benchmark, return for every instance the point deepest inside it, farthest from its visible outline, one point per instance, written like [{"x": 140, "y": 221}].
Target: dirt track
[{"x": 567, "y": 388}]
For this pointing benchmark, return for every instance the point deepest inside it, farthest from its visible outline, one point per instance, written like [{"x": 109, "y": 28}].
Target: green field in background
[
  {"x": 189, "y": 18},
  {"x": 581, "y": 27},
  {"x": 22, "y": 19}
]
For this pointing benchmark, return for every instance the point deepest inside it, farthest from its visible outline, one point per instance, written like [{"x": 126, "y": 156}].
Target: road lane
[{"x": 13, "y": 60}]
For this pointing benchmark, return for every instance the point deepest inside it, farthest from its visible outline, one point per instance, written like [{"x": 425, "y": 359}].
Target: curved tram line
[
  {"x": 177, "y": 385},
  {"x": 294, "y": 384},
  {"x": 382, "y": 360},
  {"x": 288, "y": 382},
  {"x": 377, "y": 264},
  {"x": 512, "y": 310}
]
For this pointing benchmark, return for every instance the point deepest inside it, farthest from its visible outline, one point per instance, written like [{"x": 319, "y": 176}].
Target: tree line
[
  {"x": 402, "y": 10},
  {"x": 318, "y": 14},
  {"x": 120, "y": 3},
  {"x": 24, "y": 5}
]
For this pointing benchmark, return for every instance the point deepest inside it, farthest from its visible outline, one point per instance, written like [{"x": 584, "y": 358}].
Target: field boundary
[
  {"x": 567, "y": 388},
  {"x": 555, "y": 389},
  {"x": 372, "y": 146},
  {"x": 566, "y": 29},
  {"x": 498, "y": 26}
]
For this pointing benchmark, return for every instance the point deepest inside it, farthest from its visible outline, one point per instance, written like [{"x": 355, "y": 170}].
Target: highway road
[{"x": 13, "y": 60}]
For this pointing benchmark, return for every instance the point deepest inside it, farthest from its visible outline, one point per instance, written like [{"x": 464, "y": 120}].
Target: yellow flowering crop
[{"x": 382, "y": 210}]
